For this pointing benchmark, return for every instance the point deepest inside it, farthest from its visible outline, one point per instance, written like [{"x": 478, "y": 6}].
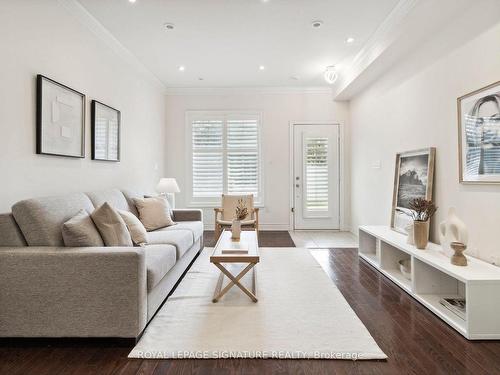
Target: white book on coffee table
[{"x": 235, "y": 248}]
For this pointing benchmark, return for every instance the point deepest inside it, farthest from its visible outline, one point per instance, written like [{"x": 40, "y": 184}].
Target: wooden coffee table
[{"x": 227, "y": 252}]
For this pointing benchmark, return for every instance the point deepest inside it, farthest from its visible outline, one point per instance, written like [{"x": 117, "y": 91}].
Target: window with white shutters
[
  {"x": 207, "y": 157},
  {"x": 316, "y": 174},
  {"x": 224, "y": 155}
]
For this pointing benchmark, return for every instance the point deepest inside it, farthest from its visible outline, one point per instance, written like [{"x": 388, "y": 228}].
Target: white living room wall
[
  {"x": 414, "y": 106},
  {"x": 43, "y": 37},
  {"x": 278, "y": 109}
]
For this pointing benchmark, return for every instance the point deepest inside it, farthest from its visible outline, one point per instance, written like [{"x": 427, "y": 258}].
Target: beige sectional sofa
[{"x": 49, "y": 290}]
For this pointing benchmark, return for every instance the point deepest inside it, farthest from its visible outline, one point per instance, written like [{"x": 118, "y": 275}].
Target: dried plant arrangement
[
  {"x": 241, "y": 210},
  {"x": 421, "y": 209}
]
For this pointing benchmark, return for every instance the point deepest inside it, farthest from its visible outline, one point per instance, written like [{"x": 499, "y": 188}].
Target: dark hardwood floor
[
  {"x": 267, "y": 238},
  {"x": 416, "y": 341}
]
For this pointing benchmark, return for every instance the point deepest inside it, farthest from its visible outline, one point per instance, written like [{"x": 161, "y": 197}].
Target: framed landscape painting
[
  {"x": 105, "y": 132},
  {"x": 60, "y": 119},
  {"x": 479, "y": 135},
  {"x": 413, "y": 178}
]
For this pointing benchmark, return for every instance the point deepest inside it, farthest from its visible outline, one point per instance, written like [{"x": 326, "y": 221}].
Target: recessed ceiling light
[
  {"x": 131, "y": 1},
  {"x": 264, "y": 1},
  {"x": 182, "y": 68},
  {"x": 316, "y": 24},
  {"x": 169, "y": 26},
  {"x": 349, "y": 40},
  {"x": 262, "y": 67}
]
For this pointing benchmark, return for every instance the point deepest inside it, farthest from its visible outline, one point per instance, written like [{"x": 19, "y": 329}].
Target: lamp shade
[{"x": 167, "y": 185}]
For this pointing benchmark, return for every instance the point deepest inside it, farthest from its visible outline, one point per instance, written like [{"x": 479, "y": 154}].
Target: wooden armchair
[{"x": 224, "y": 216}]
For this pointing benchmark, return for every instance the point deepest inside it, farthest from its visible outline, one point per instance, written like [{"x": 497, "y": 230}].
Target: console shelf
[{"x": 433, "y": 277}]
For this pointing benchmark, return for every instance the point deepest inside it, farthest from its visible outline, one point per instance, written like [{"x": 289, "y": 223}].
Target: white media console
[{"x": 433, "y": 277}]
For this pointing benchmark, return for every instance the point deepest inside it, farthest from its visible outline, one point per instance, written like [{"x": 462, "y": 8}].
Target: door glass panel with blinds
[
  {"x": 316, "y": 176},
  {"x": 224, "y": 155}
]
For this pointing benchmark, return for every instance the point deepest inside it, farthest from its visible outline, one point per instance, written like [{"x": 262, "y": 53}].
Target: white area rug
[{"x": 300, "y": 314}]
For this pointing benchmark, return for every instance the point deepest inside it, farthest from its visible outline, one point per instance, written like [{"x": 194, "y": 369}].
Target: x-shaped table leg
[{"x": 234, "y": 281}]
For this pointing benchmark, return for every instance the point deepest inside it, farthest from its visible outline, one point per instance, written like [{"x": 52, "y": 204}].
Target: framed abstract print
[{"x": 60, "y": 119}]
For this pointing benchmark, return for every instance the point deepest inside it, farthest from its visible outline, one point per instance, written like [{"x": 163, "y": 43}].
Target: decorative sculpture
[
  {"x": 458, "y": 259},
  {"x": 452, "y": 230}
]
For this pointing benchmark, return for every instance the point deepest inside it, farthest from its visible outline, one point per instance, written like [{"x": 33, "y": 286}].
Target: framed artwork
[
  {"x": 479, "y": 135},
  {"x": 60, "y": 119},
  {"x": 413, "y": 178},
  {"x": 105, "y": 132}
]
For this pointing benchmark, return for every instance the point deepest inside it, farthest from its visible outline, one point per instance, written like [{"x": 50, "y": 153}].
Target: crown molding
[
  {"x": 247, "y": 90},
  {"x": 383, "y": 37},
  {"x": 91, "y": 23}
]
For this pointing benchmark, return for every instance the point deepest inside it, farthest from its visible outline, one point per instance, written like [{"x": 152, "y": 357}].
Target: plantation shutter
[
  {"x": 242, "y": 156},
  {"x": 225, "y": 155},
  {"x": 207, "y": 162},
  {"x": 316, "y": 174}
]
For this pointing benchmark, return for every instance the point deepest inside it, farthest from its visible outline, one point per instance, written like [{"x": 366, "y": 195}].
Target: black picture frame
[
  {"x": 94, "y": 108},
  {"x": 40, "y": 81}
]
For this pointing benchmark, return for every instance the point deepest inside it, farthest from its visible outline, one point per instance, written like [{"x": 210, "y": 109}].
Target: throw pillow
[
  {"x": 80, "y": 231},
  {"x": 110, "y": 224},
  {"x": 135, "y": 227},
  {"x": 154, "y": 212}
]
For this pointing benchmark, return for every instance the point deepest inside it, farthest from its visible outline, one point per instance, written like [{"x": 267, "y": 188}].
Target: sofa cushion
[
  {"x": 41, "y": 219},
  {"x": 159, "y": 260},
  {"x": 10, "y": 234},
  {"x": 80, "y": 231},
  {"x": 195, "y": 227},
  {"x": 181, "y": 239},
  {"x": 135, "y": 227},
  {"x": 154, "y": 212},
  {"x": 114, "y": 197},
  {"x": 111, "y": 226}
]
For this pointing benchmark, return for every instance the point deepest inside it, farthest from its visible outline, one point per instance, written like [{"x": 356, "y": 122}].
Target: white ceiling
[{"x": 225, "y": 41}]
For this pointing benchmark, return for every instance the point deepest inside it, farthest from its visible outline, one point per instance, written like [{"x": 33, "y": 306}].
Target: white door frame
[{"x": 342, "y": 183}]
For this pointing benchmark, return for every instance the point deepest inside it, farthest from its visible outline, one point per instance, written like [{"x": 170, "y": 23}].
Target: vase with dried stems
[
  {"x": 240, "y": 214},
  {"x": 421, "y": 211}
]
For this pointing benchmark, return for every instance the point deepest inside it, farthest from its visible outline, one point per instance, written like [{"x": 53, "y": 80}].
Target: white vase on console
[{"x": 452, "y": 230}]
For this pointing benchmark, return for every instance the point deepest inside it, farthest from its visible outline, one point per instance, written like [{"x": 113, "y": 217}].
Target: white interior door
[{"x": 316, "y": 176}]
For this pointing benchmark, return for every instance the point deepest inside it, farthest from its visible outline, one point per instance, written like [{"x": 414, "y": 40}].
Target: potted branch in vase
[
  {"x": 421, "y": 212},
  {"x": 240, "y": 214}
]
